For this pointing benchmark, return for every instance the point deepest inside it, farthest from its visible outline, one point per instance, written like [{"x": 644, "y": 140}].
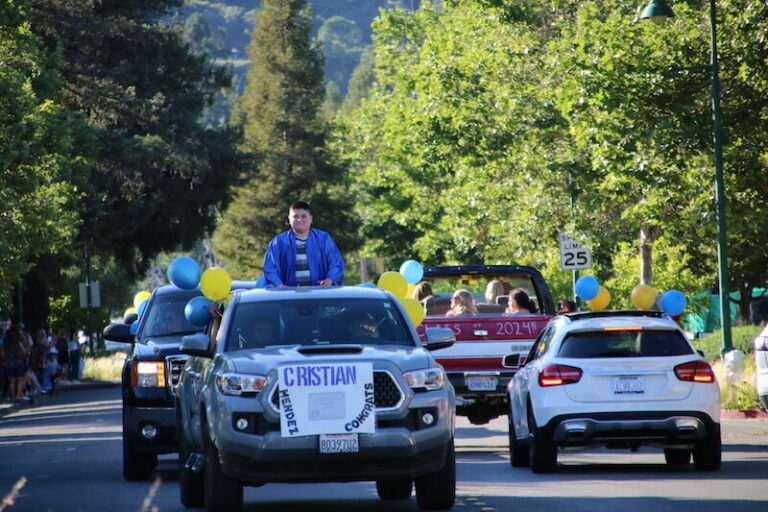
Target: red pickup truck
[{"x": 492, "y": 344}]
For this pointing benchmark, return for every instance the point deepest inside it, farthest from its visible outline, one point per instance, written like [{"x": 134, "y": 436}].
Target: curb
[
  {"x": 749, "y": 414},
  {"x": 6, "y": 409}
]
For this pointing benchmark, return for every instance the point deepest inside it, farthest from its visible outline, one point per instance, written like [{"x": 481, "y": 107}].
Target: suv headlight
[
  {"x": 429, "y": 379},
  {"x": 148, "y": 374},
  {"x": 237, "y": 384}
]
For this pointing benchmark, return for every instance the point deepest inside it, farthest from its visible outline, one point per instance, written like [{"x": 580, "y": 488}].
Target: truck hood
[
  {"x": 261, "y": 361},
  {"x": 157, "y": 348}
]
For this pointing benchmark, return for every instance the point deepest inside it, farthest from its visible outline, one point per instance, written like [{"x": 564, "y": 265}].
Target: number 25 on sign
[{"x": 572, "y": 255}]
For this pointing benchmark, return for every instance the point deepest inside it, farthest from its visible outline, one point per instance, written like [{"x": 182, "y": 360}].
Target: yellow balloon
[
  {"x": 130, "y": 311},
  {"x": 215, "y": 283},
  {"x": 415, "y": 310},
  {"x": 643, "y": 296},
  {"x": 409, "y": 291},
  {"x": 140, "y": 297},
  {"x": 601, "y": 300},
  {"x": 393, "y": 282}
]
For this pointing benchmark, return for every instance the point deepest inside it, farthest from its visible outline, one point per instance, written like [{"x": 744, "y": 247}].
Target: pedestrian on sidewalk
[
  {"x": 15, "y": 354},
  {"x": 74, "y": 356},
  {"x": 62, "y": 349}
]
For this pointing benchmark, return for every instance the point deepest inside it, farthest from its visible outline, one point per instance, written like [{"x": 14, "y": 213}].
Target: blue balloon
[
  {"x": 198, "y": 311},
  {"x": 261, "y": 282},
  {"x": 673, "y": 302},
  {"x": 142, "y": 307},
  {"x": 184, "y": 272},
  {"x": 367, "y": 285},
  {"x": 412, "y": 271},
  {"x": 587, "y": 287},
  {"x": 134, "y": 328}
]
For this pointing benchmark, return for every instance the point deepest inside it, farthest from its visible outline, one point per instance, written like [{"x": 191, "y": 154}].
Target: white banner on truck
[{"x": 333, "y": 398}]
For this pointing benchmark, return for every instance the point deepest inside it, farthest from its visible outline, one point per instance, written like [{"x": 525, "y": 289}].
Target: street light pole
[
  {"x": 657, "y": 9},
  {"x": 722, "y": 240}
]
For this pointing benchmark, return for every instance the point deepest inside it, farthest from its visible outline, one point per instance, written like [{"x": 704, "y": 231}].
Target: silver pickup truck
[{"x": 315, "y": 385}]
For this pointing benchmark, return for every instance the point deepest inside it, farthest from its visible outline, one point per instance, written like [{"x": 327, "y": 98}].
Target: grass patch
[
  {"x": 742, "y": 337},
  {"x": 107, "y": 367}
]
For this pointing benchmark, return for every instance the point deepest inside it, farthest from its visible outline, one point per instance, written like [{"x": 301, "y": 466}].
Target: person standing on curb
[{"x": 303, "y": 256}]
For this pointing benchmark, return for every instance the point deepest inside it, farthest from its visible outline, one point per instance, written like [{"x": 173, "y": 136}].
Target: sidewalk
[{"x": 36, "y": 400}]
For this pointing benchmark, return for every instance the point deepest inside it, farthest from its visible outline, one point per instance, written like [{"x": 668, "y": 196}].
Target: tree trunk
[{"x": 648, "y": 235}]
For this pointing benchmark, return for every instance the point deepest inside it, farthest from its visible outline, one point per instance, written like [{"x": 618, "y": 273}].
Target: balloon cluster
[
  {"x": 401, "y": 285},
  {"x": 215, "y": 283},
  {"x": 672, "y": 302}
]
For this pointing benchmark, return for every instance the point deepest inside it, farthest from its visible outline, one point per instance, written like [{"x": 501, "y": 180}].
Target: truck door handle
[{"x": 481, "y": 332}]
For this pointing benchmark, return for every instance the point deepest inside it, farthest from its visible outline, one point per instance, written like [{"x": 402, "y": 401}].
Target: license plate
[
  {"x": 339, "y": 443},
  {"x": 481, "y": 382},
  {"x": 628, "y": 386}
]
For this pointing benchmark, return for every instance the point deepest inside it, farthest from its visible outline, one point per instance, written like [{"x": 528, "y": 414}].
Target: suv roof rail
[{"x": 603, "y": 314}]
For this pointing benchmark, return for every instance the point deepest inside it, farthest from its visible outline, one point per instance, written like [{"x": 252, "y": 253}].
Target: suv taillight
[
  {"x": 558, "y": 374},
  {"x": 761, "y": 343},
  {"x": 695, "y": 371}
]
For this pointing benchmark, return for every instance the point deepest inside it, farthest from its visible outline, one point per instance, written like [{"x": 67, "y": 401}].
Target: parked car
[
  {"x": 150, "y": 374},
  {"x": 264, "y": 400},
  {"x": 618, "y": 380},
  {"x": 761, "y": 365}
]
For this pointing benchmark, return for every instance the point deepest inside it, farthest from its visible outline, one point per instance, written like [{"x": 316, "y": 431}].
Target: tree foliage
[
  {"x": 281, "y": 114},
  {"x": 41, "y": 163},
  {"x": 157, "y": 175},
  {"x": 492, "y": 125}
]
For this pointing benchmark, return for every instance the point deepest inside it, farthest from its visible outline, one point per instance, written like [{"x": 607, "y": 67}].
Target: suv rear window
[
  {"x": 629, "y": 343},
  {"x": 317, "y": 322}
]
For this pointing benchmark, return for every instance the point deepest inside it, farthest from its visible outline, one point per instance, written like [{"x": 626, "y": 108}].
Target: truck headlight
[
  {"x": 428, "y": 379},
  {"x": 237, "y": 384},
  {"x": 148, "y": 374}
]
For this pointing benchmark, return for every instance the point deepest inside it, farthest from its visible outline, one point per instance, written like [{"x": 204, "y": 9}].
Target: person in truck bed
[
  {"x": 520, "y": 303},
  {"x": 494, "y": 289},
  {"x": 462, "y": 303}
]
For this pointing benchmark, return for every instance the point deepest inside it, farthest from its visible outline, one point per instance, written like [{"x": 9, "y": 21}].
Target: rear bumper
[{"x": 663, "y": 428}]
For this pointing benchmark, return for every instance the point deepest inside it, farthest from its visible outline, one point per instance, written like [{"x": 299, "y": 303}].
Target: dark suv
[{"x": 150, "y": 374}]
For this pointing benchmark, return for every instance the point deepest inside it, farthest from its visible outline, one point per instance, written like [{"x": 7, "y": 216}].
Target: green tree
[
  {"x": 42, "y": 166},
  {"x": 280, "y": 111},
  {"x": 154, "y": 175}
]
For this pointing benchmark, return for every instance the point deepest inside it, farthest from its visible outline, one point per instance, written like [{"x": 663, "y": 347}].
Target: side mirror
[
  {"x": 439, "y": 337},
  {"x": 119, "y": 332},
  {"x": 196, "y": 345},
  {"x": 701, "y": 353}
]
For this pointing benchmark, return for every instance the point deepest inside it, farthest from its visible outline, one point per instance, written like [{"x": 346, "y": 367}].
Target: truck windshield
[
  {"x": 317, "y": 322},
  {"x": 490, "y": 293},
  {"x": 165, "y": 317}
]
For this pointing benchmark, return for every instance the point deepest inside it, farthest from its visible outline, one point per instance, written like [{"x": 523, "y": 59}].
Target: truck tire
[
  {"x": 518, "y": 452},
  {"x": 191, "y": 485},
  {"x": 677, "y": 457},
  {"x": 542, "y": 454},
  {"x": 137, "y": 465},
  {"x": 707, "y": 455},
  {"x": 222, "y": 493},
  {"x": 437, "y": 491},
  {"x": 394, "y": 489}
]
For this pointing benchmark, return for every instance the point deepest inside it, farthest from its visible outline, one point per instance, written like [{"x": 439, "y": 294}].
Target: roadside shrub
[
  {"x": 741, "y": 395},
  {"x": 742, "y": 338}
]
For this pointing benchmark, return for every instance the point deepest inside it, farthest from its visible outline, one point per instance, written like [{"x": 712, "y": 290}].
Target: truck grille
[
  {"x": 387, "y": 393},
  {"x": 175, "y": 364}
]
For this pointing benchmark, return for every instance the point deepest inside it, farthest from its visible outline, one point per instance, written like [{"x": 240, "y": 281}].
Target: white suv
[
  {"x": 761, "y": 363},
  {"x": 615, "y": 379}
]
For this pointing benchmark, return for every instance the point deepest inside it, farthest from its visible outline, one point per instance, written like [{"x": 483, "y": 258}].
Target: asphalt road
[{"x": 69, "y": 450}]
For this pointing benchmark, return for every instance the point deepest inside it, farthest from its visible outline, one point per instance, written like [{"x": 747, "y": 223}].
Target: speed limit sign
[{"x": 572, "y": 255}]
